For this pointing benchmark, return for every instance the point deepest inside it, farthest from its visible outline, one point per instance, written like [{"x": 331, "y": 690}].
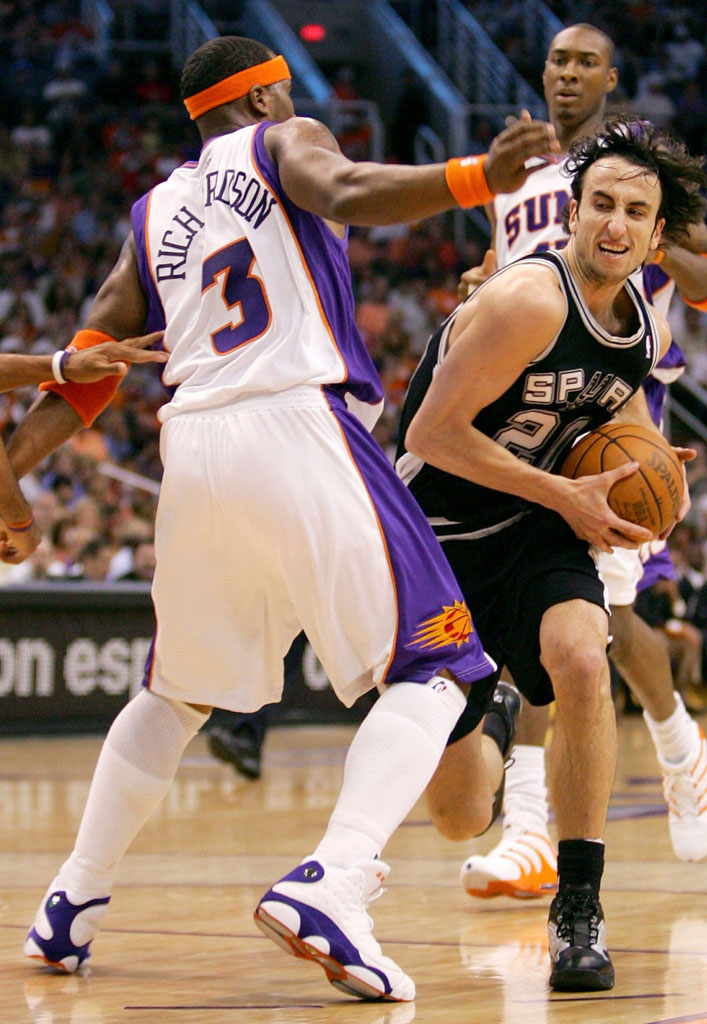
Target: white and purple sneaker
[
  {"x": 318, "y": 913},
  {"x": 63, "y": 931}
]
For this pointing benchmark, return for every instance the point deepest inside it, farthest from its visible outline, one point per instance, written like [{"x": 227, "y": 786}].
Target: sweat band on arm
[
  {"x": 466, "y": 180},
  {"x": 88, "y": 400}
]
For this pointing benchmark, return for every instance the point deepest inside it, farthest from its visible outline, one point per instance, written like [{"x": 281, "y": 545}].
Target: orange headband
[{"x": 235, "y": 86}]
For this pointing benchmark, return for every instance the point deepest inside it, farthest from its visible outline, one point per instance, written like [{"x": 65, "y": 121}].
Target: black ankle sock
[
  {"x": 580, "y": 862},
  {"x": 496, "y": 726}
]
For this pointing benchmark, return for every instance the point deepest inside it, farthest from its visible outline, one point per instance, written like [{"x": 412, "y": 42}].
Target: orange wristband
[
  {"x": 88, "y": 400},
  {"x": 466, "y": 180}
]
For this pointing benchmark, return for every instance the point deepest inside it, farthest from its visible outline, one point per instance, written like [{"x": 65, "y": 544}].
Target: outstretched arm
[
  {"x": 106, "y": 360},
  {"x": 319, "y": 178},
  {"x": 118, "y": 310}
]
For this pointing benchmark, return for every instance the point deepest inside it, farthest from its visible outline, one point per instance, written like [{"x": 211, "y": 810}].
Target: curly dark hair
[
  {"x": 681, "y": 176},
  {"x": 218, "y": 59}
]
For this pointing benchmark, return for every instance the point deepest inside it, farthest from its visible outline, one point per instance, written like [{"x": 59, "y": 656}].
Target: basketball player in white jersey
[
  {"x": 579, "y": 74},
  {"x": 278, "y": 511}
]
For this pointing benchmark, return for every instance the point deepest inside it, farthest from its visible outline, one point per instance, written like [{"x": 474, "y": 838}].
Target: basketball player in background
[
  {"x": 278, "y": 510},
  {"x": 550, "y": 347},
  {"x": 579, "y": 75}
]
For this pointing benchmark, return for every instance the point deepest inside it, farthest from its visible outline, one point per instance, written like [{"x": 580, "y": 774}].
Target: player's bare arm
[
  {"x": 688, "y": 270},
  {"x": 120, "y": 307},
  {"x": 319, "y": 178},
  {"x": 19, "y": 534},
  {"x": 496, "y": 336},
  {"x": 488, "y": 350},
  {"x": 119, "y": 310},
  {"x": 108, "y": 359}
]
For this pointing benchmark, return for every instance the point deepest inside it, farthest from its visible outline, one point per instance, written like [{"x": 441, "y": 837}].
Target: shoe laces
[{"x": 577, "y": 914}]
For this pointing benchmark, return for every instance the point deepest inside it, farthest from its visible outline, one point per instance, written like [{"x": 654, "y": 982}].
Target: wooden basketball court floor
[{"x": 179, "y": 945}]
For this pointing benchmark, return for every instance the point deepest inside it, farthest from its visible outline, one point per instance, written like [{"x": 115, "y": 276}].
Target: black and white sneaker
[
  {"x": 577, "y": 943},
  {"x": 239, "y": 747}
]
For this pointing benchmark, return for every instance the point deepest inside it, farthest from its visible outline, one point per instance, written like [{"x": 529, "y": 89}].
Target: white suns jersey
[
  {"x": 254, "y": 293},
  {"x": 530, "y": 220}
]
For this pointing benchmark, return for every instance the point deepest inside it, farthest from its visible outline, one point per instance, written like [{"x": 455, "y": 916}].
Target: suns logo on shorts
[{"x": 452, "y": 626}]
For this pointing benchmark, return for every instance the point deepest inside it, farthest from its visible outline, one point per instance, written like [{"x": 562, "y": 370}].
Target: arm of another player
[
  {"x": 19, "y": 534},
  {"x": 495, "y": 338},
  {"x": 319, "y": 178},
  {"x": 107, "y": 359},
  {"x": 118, "y": 310},
  {"x": 636, "y": 411},
  {"x": 687, "y": 265}
]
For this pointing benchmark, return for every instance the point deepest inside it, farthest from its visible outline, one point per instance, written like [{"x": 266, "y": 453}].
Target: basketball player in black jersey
[{"x": 552, "y": 346}]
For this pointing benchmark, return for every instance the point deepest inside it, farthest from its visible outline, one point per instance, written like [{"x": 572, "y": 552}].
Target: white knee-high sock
[
  {"x": 135, "y": 769},
  {"x": 525, "y": 807},
  {"x": 391, "y": 759},
  {"x": 677, "y": 737}
]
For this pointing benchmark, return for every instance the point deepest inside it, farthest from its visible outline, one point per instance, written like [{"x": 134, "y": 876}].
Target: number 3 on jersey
[{"x": 242, "y": 293}]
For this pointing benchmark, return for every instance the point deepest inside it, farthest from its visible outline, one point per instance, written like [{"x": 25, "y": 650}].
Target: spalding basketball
[{"x": 652, "y": 495}]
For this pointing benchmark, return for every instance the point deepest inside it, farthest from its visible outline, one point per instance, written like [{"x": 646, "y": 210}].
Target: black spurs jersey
[{"x": 580, "y": 381}]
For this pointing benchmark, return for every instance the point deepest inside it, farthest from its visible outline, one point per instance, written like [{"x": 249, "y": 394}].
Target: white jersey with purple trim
[
  {"x": 530, "y": 220},
  {"x": 255, "y": 293}
]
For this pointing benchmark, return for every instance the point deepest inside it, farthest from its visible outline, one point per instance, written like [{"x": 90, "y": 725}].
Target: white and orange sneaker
[
  {"x": 685, "y": 789},
  {"x": 522, "y": 865}
]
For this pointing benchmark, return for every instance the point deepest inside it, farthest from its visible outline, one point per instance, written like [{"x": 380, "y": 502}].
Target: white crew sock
[
  {"x": 676, "y": 737},
  {"x": 390, "y": 761},
  {"x": 135, "y": 769},
  {"x": 525, "y": 807}
]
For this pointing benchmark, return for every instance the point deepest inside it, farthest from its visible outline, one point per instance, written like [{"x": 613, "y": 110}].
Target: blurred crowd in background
[{"x": 82, "y": 137}]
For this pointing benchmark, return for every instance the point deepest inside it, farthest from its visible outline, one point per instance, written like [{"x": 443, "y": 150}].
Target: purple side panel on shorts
[
  {"x": 326, "y": 260},
  {"x": 425, "y": 585},
  {"x": 658, "y": 567},
  {"x": 155, "y": 319}
]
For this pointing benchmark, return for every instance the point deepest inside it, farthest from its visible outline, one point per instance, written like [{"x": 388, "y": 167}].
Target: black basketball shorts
[{"x": 510, "y": 578}]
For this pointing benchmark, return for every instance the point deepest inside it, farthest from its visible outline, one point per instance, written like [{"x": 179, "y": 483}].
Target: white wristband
[{"x": 56, "y": 367}]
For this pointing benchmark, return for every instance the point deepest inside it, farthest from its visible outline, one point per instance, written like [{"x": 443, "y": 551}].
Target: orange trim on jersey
[
  {"x": 88, "y": 400},
  {"x": 325, "y": 321},
  {"x": 380, "y": 530},
  {"x": 236, "y": 86}
]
